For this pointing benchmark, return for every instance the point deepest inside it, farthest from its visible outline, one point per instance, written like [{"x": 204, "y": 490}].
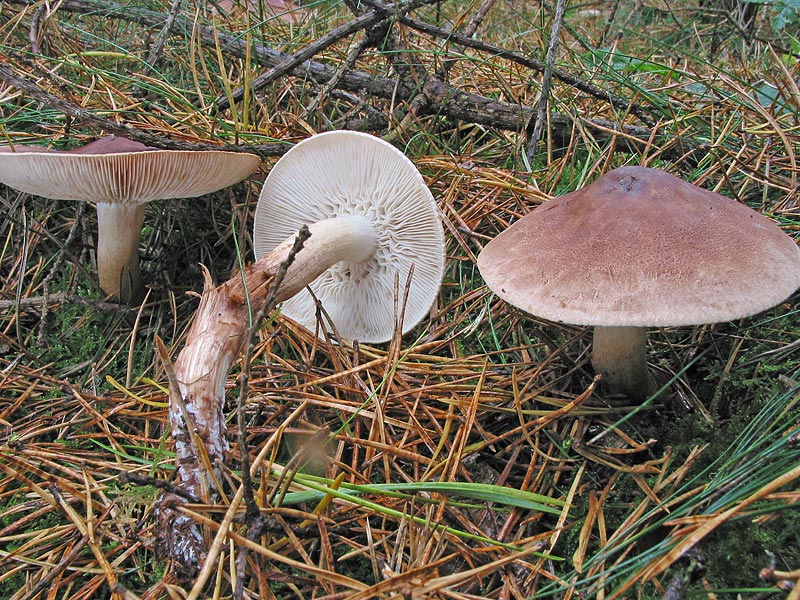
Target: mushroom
[
  {"x": 372, "y": 219},
  {"x": 640, "y": 248},
  {"x": 120, "y": 176}
]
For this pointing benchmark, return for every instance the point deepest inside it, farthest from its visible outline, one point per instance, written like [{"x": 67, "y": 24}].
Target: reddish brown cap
[{"x": 640, "y": 247}]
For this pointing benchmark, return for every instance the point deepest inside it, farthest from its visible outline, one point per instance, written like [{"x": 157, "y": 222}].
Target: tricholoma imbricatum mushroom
[
  {"x": 640, "y": 248},
  {"x": 372, "y": 220},
  {"x": 120, "y": 176}
]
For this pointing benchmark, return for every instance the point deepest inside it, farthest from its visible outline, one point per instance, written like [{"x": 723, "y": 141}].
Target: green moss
[{"x": 737, "y": 551}]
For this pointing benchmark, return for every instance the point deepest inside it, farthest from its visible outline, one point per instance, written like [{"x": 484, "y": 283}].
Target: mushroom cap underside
[
  {"x": 346, "y": 173},
  {"x": 640, "y": 247},
  {"x": 133, "y": 174}
]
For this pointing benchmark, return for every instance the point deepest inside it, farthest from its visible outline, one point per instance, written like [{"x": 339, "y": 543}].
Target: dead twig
[
  {"x": 547, "y": 78},
  {"x": 84, "y": 115},
  {"x": 255, "y": 521}
]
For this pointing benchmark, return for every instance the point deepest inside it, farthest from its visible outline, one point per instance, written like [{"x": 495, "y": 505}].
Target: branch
[
  {"x": 79, "y": 113},
  {"x": 364, "y": 21},
  {"x": 442, "y": 99},
  {"x": 525, "y": 61}
]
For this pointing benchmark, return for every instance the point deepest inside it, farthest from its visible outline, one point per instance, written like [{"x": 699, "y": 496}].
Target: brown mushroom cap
[
  {"x": 640, "y": 247},
  {"x": 115, "y": 169}
]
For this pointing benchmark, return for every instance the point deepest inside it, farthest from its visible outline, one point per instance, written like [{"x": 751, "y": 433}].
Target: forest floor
[{"x": 514, "y": 475}]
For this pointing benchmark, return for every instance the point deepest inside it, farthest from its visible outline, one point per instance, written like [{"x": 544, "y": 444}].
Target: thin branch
[
  {"x": 255, "y": 521},
  {"x": 268, "y": 306},
  {"x": 478, "y": 18},
  {"x": 61, "y": 298},
  {"x": 79, "y": 113},
  {"x": 142, "y": 480},
  {"x": 547, "y": 78},
  {"x": 354, "y": 81},
  {"x": 343, "y": 68},
  {"x": 469, "y": 31},
  {"x": 158, "y": 47}
]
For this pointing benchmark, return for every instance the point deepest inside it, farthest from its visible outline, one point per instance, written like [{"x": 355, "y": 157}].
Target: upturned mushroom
[
  {"x": 371, "y": 219},
  {"x": 120, "y": 176},
  {"x": 640, "y": 248}
]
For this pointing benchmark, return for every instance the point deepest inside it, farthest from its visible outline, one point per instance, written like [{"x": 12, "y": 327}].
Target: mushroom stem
[
  {"x": 618, "y": 353},
  {"x": 219, "y": 330},
  {"x": 118, "y": 228},
  {"x": 216, "y": 337},
  {"x": 351, "y": 239}
]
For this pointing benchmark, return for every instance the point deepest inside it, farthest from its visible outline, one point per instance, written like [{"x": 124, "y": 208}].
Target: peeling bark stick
[{"x": 219, "y": 332}]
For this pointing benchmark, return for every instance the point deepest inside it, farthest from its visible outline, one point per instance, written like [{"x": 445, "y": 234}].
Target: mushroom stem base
[
  {"x": 118, "y": 228},
  {"x": 216, "y": 337},
  {"x": 619, "y": 354}
]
